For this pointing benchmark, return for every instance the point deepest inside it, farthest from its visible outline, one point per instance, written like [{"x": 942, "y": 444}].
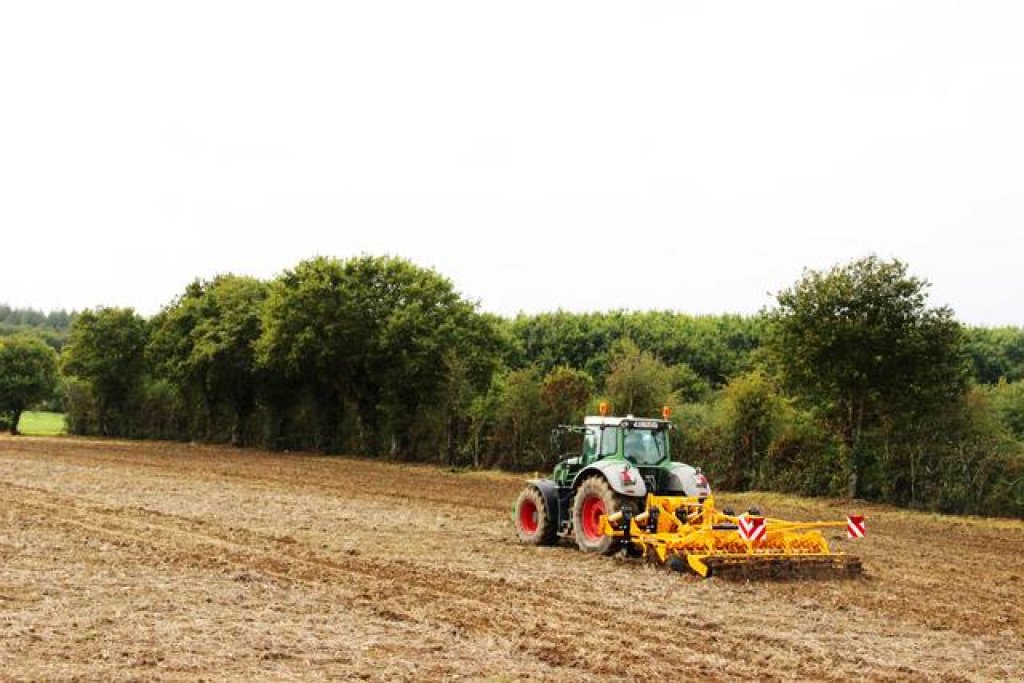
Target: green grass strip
[{"x": 42, "y": 424}]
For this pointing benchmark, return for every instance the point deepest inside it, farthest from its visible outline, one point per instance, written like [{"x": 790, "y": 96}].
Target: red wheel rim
[
  {"x": 528, "y": 516},
  {"x": 593, "y": 508}
]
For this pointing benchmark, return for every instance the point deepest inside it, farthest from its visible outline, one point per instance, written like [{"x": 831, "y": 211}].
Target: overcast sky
[{"x": 542, "y": 155}]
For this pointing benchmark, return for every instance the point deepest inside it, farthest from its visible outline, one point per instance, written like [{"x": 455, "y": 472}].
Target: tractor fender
[
  {"x": 686, "y": 480},
  {"x": 612, "y": 471},
  {"x": 549, "y": 489}
]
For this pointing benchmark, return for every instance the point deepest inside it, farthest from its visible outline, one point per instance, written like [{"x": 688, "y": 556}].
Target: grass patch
[{"x": 35, "y": 423}]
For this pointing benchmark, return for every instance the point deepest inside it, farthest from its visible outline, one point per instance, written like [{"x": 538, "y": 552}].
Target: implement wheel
[
  {"x": 594, "y": 498},
  {"x": 535, "y": 524}
]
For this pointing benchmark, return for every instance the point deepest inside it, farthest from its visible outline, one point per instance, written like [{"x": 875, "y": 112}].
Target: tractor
[
  {"x": 623, "y": 492},
  {"x": 622, "y": 460}
]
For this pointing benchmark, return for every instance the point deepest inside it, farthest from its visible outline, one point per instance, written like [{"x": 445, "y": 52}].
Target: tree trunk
[
  {"x": 14, "y": 422},
  {"x": 101, "y": 419},
  {"x": 244, "y": 408},
  {"x": 449, "y": 441},
  {"x": 331, "y": 407},
  {"x": 851, "y": 436},
  {"x": 403, "y": 429}
]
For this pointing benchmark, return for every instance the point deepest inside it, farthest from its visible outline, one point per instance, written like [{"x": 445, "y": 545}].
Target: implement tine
[{"x": 712, "y": 543}]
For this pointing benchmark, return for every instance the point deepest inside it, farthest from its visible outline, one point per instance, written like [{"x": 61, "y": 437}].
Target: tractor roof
[{"x": 609, "y": 421}]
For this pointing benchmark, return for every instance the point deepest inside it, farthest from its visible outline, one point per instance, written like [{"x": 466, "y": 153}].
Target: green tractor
[{"x": 622, "y": 460}]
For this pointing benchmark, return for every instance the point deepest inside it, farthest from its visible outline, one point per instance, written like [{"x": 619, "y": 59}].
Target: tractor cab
[{"x": 641, "y": 443}]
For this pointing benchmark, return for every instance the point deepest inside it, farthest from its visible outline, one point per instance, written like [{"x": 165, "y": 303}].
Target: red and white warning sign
[
  {"x": 751, "y": 528},
  {"x": 855, "y": 526}
]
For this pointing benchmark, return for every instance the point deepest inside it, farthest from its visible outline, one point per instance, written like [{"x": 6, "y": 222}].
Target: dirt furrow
[
  {"x": 418, "y": 569},
  {"x": 461, "y": 600}
]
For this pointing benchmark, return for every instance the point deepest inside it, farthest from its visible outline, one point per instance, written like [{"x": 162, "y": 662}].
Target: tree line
[
  {"x": 59, "y": 321},
  {"x": 849, "y": 385},
  {"x": 52, "y": 327}
]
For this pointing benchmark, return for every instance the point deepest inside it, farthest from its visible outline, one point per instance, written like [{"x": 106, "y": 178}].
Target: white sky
[{"x": 582, "y": 155}]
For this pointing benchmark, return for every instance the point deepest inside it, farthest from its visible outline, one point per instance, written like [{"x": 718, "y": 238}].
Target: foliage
[
  {"x": 750, "y": 436},
  {"x": 975, "y": 467},
  {"x": 638, "y": 383},
  {"x": 371, "y": 333},
  {"x": 687, "y": 385},
  {"x": 106, "y": 350},
  {"x": 850, "y": 374},
  {"x": 522, "y": 435},
  {"x": 204, "y": 343},
  {"x": 82, "y": 417},
  {"x": 996, "y": 353},
  {"x": 748, "y": 414},
  {"x": 859, "y": 345},
  {"x": 28, "y": 375},
  {"x": 565, "y": 393},
  {"x": 714, "y": 347},
  {"x": 1008, "y": 402},
  {"x": 511, "y": 423},
  {"x": 163, "y": 414},
  {"x": 51, "y": 327},
  {"x": 29, "y": 317}
]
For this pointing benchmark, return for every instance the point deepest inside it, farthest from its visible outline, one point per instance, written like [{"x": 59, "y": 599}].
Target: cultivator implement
[{"x": 690, "y": 532}]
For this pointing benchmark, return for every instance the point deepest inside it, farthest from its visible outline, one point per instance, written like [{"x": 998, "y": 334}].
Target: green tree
[
  {"x": 373, "y": 333},
  {"x": 416, "y": 319},
  {"x": 688, "y": 385},
  {"x": 50, "y": 327},
  {"x": 859, "y": 344},
  {"x": 205, "y": 343},
  {"x": 565, "y": 393},
  {"x": 638, "y": 383},
  {"x": 714, "y": 347},
  {"x": 522, "y": 431},
  {"x": 1008, "y": 400},
  {"x": 314, "y": 335},
  {"x": 996, "y": 353},
  {"x": 106, "y": 348},
  {"x": 28, "y": 374},
  {"x": 469, "y": 370},
  {"x": 749, "y": 413}
]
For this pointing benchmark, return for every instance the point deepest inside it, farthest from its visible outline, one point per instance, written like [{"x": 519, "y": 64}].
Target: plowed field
[{"x": 156, "y": 561}]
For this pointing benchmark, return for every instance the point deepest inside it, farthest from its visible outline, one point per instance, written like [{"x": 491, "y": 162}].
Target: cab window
[
  {"x": 645, "y": 447},
  {"x": 609, "y": 441}
]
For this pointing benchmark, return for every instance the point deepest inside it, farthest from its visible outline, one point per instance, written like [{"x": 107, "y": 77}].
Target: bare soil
[{"x": 141, "y": 561}]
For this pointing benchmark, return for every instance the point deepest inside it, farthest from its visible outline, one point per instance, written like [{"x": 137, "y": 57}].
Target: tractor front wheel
[
  {"x": 594, "y": 498},
  {"x": 535, "y": 524}
]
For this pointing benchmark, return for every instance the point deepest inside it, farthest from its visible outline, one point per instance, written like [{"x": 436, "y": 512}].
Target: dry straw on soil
[{"x": 139, "y": 561}]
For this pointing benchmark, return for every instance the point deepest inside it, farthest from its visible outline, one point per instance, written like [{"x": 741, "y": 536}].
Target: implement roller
[{"x": 682, "y": 532}]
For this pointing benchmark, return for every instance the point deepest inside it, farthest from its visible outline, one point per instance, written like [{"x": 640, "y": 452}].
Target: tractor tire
[
  {"x": 594, "y": 498},
  {"x": 535, "y": 524}
]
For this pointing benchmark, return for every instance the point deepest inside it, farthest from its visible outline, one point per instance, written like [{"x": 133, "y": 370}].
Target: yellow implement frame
[{"x": 677, "y": 530}]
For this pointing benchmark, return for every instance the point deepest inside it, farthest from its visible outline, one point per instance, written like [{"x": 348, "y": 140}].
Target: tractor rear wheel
[
  {"x": 594, "y": 498},
  {"x": 535, "y": 524}
]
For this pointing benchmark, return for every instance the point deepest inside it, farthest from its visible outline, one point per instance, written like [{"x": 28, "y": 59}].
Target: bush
[
  {"x": 1008, "y": 399},
  {"x": 82, "y": 416},
  {"x": 803, "y": 458},
  {"x": 163, "y": 414}
]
